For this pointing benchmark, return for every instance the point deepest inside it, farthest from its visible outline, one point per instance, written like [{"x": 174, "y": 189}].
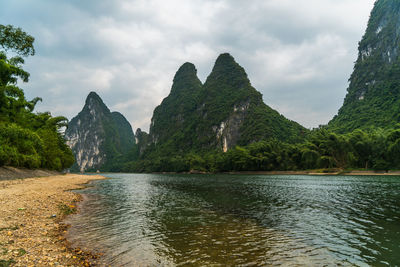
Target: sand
[{"x": 31, "y": 214}]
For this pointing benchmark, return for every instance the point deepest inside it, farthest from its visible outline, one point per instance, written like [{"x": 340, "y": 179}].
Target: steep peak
[
  {"x": 226, "y": 69},
  {"x": 93, "y": 100},
  {"x": 93, "y": 96},
  {"x": 185, "y": 80},
  {"x": 187, "y": 70},
  {"x": 225, "y": 59}
]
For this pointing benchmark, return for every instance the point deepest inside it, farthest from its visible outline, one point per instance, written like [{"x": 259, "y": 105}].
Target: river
[{"x": 240, "y": 220}]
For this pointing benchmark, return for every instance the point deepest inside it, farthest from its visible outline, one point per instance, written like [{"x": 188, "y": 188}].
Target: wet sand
[{"x": 31, "y": 214}]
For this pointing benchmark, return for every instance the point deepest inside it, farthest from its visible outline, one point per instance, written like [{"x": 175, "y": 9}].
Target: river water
[{"x": 241, "y": 220}]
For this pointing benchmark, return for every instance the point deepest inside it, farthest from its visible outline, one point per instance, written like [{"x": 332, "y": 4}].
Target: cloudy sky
[{"x": 299, "y": 54}]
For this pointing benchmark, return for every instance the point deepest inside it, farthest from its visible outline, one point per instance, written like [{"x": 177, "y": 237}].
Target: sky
[{"x": 298, "y": 54}]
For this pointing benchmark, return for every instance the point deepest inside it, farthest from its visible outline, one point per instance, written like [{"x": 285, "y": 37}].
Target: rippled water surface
[{"x": 241, "y": 220}]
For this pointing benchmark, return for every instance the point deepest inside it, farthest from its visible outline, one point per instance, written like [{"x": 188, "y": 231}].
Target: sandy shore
[{"x": 31, "y": 211}]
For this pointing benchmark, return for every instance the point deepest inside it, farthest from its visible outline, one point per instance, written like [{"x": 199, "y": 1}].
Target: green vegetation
[
  {"x": 228, "y": 88},
  {"x": 67, "y": 209},
  {"x": 21, "y": 252},
  {"x": 174, "y": 121},
  {"x": 27, "y": 139},
  {"x": 323, "y": 149},
  {"x": 6, "y": 263},
  {"x": 373, "y": 98}
]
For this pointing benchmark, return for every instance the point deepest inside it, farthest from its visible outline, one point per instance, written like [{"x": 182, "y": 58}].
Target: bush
[{"x": 19, "y": 147}]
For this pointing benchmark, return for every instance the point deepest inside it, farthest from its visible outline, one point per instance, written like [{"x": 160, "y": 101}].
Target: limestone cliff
[
  {"x": 142, "y": 141},
  {"x": 97, "y": 136}
]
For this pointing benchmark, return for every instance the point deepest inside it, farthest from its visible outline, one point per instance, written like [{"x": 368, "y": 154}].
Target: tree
[
  {"x": 12, "y": 99},
  {"x": 27, "y": 139},
  {"x": 362, "y": 144}
]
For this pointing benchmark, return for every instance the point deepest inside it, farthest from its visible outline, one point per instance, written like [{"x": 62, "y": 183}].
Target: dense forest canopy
[
  {"x": 377, "y": 149},
  {"x": 27, "y": 139}
]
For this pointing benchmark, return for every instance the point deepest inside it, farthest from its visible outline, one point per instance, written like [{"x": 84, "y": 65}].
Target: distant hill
[
  {"x": 97, "y": 136},
  {"x": 373, "y": 96}
]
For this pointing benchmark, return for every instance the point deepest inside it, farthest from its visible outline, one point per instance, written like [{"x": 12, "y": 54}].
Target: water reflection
[{"x": 241, "y": 220}]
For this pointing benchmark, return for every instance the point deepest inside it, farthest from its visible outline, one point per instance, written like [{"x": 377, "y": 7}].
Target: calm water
[{"x": 241, "y": 220}]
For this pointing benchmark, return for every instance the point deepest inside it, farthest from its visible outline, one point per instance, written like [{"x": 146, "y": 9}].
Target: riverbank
[
  {"x": 31, "y": 214},
  {"x": 319, "y": 172},
  {"x": 9, "y": 173}
]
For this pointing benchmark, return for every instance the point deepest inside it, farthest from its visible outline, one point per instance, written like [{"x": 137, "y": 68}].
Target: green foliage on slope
[
  {"x": 373, "y": 98},
  {"x": 174, "y": 120},
  {"x": 228, "y": 86},
  {"x": 27, "y": 139},
  {"x": 377, "y": 149},
  {"x": 119, "y": 142}
]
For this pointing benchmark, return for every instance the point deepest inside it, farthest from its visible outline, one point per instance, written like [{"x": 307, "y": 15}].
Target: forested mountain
[
  {"x": 224, "y": 112},
  {"x": 98, "y": 137},
  {"x": 27, "y": 139},
  {"x": 373, "y": 96}
]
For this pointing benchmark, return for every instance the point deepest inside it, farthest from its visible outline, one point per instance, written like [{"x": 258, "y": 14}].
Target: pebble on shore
[{"x": 31, "y": 228}]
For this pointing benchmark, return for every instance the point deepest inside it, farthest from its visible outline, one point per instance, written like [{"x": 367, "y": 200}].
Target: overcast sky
[{"x": 298, "y": 53}]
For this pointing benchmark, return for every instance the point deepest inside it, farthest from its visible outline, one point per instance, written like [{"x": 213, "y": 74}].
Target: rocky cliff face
[
  {"x": 97, "y": 136},
  {"x": 373, "y": 96},
  {"x": 142, "y": 141},
  {"x": 220, "y": 114}
]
